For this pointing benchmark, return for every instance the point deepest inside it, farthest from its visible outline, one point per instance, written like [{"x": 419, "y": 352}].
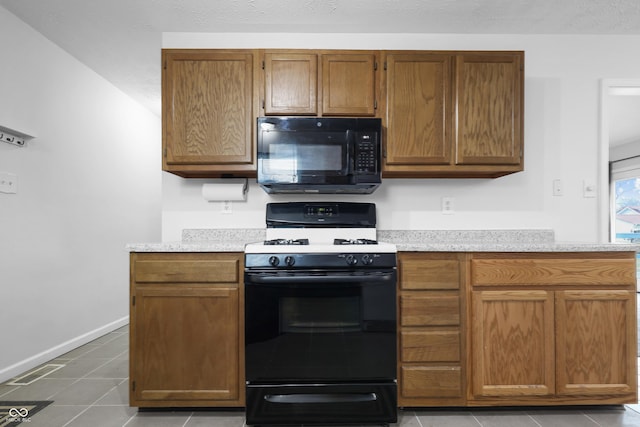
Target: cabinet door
[
  {"x": 348, "y": 84},
  {"x": 596, "y": 343},
  {"x": 489, "y": 92},
  {"x": 418, "y": 111},
  {"x": 513, "y": 344},
  {"x": 291, "y": 83},
  {"x": 208, "y": 112},
  {"x": 186, "y": 344}
]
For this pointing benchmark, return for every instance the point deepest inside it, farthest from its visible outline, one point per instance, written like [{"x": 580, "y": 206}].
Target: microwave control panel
[{"x": 365, "y": 158}]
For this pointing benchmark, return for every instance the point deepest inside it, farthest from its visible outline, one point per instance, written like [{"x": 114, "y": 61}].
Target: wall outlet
[
  {"x": 227, "y": 207},
  {"x": 447, "y": 205},
  {"x": 8, "y": 183}
]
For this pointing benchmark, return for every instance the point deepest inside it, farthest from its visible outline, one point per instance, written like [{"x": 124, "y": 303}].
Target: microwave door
[{"x": 299, "y": 156}]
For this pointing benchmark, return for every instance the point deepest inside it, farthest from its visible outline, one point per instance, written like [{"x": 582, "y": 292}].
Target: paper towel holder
[{"x": 225, "y": 190}]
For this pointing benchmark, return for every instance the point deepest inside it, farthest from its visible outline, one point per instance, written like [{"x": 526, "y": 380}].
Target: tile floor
[{"x": 91, "y": 390}]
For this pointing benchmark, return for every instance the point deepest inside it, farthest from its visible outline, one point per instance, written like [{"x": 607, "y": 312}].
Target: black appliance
[
  {"x": 320, "y": 318},
  {"x": 319, "y": 155}
]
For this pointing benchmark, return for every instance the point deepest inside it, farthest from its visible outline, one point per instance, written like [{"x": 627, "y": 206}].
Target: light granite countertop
[{"x": 234, "y": 240}]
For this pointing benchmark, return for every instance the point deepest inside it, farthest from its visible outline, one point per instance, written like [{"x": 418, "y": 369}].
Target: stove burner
[
  {"x": 287, "y": 242},
  {"x": 354, "y": 242}
]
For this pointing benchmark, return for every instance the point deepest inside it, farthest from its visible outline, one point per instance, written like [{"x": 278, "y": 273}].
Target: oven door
[
  {"x": 321, "y": 347},
  {"x": 320, "y": 327}
]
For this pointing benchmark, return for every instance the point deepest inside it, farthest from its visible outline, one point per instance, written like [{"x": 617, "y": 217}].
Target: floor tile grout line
[
  {"x": 92, "y": 405},
  {"x": 85, "y": 376}
]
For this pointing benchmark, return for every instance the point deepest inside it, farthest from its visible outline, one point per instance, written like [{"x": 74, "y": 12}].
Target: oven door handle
[
  {"x": 325, "y": 278},
  {"x": 321, "y": 398}
]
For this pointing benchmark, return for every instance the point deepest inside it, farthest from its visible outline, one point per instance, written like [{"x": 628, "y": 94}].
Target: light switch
[{"x": 589, "y": 189}]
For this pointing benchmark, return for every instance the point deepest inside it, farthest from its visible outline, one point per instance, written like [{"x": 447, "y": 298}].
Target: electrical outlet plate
[
  {"x": 557, "y": 187},
  {"x": 447, "y": 205},
  {"x": 8, "y": 183},
  {"x": 227, "y": 207}
]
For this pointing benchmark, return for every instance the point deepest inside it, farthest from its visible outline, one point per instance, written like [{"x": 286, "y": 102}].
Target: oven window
[
  {"x": 320, "y": 315},
  {"x": 320, "y": 332}
]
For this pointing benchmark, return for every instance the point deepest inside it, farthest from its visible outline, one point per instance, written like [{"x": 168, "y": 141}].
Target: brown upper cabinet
[
  {"x": 320, "y": 83},
  {"x": 209, "y": 110},
  {"x": 453, "y": 114},
  {"x": 446, "y": 114}
]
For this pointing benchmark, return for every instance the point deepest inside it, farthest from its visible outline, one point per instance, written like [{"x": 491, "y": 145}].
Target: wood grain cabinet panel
[
  {"x": 571, "y": 270},
  {"x": 320, "y": 82},
  {"x": 419, "y": 107},
  {"x": 430, "y": 346},
  {"x": 421, "y": 273},
  {"x": 186, "y": 330},
  {"x": 349, "y": 84},
  {"x": 553, "y": 328},
  {"x": 430, "y": 368},
  {"x": 209, "y": 110},
  {"x": 513, "y": 344},
  {"x": 431, "y": 382},
  {"x": 429, "y": 310},
  {"x": 187, "y": 348},
  {"x": 596, "y": 342},
  {"x": 291, "y": 83},
  {"x": 489, "y": 92},
  {"x": 453, "y": 114}
]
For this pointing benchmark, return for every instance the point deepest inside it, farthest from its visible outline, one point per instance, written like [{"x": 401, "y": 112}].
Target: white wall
[
  {"x": 562, "y": 75},
  {"x": 87, "y": 185}
]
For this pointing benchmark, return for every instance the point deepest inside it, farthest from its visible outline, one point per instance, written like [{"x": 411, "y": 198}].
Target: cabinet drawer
[
  {"x": 419, "y": 273},
  {"x": 556, "y": 271},
  {"x": 187, "y": 271},
  {"x": 431, "y": 381},
  {"x": 428, "y": 309},
  {"x": 430, "y": 346}
]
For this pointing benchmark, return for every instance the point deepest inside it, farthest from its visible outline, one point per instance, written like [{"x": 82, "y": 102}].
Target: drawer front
[
  {"x": 560, "y": 271},
  {"x": 431, "y": 381},
  {"x": 429, "y": 310},
  {"x": 430, "y": 346},
  {"x": 419, "y": 273},
  {"x": 187, "y": 271}
]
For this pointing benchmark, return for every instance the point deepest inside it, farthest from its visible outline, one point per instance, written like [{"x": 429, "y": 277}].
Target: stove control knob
[
  {"x": 289, "y": 261},
  {"x": 274, "y": 261},
  {"x": 351, "y": 260},
  {"x": 367, "y": 259}
]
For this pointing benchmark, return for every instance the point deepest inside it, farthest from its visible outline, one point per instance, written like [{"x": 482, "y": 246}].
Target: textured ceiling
[{"x": 121, "y": 39}]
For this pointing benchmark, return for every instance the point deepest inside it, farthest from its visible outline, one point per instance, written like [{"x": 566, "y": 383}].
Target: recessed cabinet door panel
[
  {"x": 208, "y": 110},
  {"x": 596, "y": 345},
  {"x": 513, "y": 343},
  {"x": 187, "y": 344},
  {"x": 348, "y": 84},
  {"x": 489, "y": 101},
  {"x": 419, "y": 109},
  {"x": 291, "y": 83}
]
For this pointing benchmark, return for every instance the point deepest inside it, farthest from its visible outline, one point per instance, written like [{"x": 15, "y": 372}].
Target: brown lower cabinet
[
  {"x": 552, "y": 329},
  {"x": 474, "y": 329},
  {"x": 186, "y": 330}
]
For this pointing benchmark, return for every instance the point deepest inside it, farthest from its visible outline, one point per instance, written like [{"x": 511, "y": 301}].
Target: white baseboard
[{"x": 49, "y": 354}]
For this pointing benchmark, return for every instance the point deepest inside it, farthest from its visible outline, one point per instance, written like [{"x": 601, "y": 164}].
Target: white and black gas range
[{"x": 320, "y": 318}]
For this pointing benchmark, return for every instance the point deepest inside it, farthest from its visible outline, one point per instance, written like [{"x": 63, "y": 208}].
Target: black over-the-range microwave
[{"x": 319, "y": 155}]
